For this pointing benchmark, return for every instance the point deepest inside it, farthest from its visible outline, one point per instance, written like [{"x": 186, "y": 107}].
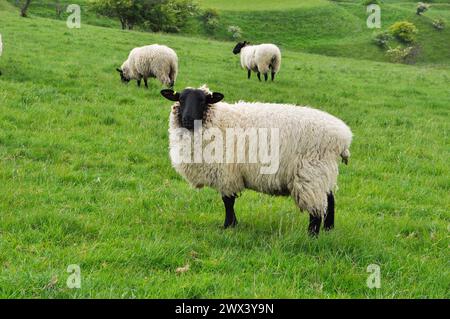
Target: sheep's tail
[
  {"x": 276, "y": 63},
  {"x": 345, "y": 156},
  {"x": 173, "y": 74}
]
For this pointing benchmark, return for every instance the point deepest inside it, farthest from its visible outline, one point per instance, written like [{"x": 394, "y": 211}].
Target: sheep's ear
[
  {"x": 170, "y": 95},
  {"x": 214, "y": 98},
  {"x": 119, "y": 70}
]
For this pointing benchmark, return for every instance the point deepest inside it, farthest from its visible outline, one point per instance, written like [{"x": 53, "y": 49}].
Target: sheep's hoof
[
  {"x": 314, "y": 226},
  {"x": 231, "y": 224},
  {"x": 313, "y": 233}
]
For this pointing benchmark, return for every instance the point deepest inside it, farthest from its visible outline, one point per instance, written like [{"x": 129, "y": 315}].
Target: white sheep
[
  {"x": 151, "y": 61},
  {"x": 259, "y": 58},
  {"x": 310, "y": 144}
]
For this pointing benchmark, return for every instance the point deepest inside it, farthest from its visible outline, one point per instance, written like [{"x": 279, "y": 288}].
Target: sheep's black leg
[
  {"x": 314, "y": 225},
  {"x": 230, "y": 217},
  {"x": 329, "y": 218},
  {"x": 273, "y": 76},
  {"x": 266, "y": 76},
  {"x": 139, "y": 83},
  {"x": 249, "y": 74},
  {"x": 145, "y": 82},
  {"x": 259, "y": 76}
]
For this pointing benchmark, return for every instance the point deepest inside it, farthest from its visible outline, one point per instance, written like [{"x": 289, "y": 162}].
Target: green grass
[
  {"x": 48, "y": 9},
  {"x": 338, "y": 29},
  {"x": 261, "y": 5},
  {"x": 85, "y": 176},
  {"x": 332, "y": 28}
]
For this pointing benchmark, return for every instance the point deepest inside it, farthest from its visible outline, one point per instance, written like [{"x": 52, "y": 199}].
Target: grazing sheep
[
  {"x": 259, "y": 58},
  {"x": 151, "y": 61},
  {"x": 310, "y": 143},
  {"x": 1, "y": 49}
]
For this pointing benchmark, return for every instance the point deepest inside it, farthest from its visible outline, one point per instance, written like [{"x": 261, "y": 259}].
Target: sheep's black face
[
  {"x": 123, "y": 78},
  {"x": 193, "y": 104},
  {"x": 237, "y": 49}
]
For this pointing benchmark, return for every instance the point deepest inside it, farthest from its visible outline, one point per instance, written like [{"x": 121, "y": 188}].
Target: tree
[
  {"x": 168, "y": 15},
  {"x": 127, "y": 11},
  {"x": 24, "y": 8},
  {"x": 156, "y": 15}
]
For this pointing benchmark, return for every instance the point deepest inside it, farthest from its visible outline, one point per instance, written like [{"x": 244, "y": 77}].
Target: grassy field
[
  {"x": 332, "y": 28},
  {"x": 336, "y": 28},
  {"x": 261, "y": 5},
  {"x": 85, "y": 176}
]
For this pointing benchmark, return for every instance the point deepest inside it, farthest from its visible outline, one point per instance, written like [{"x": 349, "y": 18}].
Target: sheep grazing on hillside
[
  {"x": 152, "y": 61},
  {"x": 1, "y": 49},
  {"x": 305, "y": 147},
  {"x": 259, "y": 58}
]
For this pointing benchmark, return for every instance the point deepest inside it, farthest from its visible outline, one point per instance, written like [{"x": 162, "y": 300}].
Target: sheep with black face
[
  {"x": 259, "y": 58},
  {"x": 310, "y": 144},
  {"x": 151, "y": 61}
]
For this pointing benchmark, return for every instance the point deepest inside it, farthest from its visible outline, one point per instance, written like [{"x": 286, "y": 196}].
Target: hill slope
[
  {"x": 333, "y": 28},
  {"x": 85, "y": 176},
  {"x": 336, "y": 29}
]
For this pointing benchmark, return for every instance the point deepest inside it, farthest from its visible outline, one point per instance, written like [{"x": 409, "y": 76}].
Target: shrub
[
  {"x": 210, "y": 18},
  {"x": 382, "y": 39},
  {"x": 156, "y": 15},
  {"x": 236, "y": 32},
  {"x": 406, "y": 55},
  {"x": 421, "y": 8},
  {"x": 439, "y": 24},
  {"x": 404, "y": 31},
  {"x": 168, "y": 15}
]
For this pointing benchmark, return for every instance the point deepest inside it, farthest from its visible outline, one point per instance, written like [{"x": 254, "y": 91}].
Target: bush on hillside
[
  {"x": 156, "y": 15},
  {"x": 404, "y": 31},
  {"x": 210, "y": 18},
  {"x": 235, "y": 31},
  {"x": 128, "y": 12},
  {"x": 422, "y": 7},
  {"x": 168, "y": 15},
  {"x": 439, "y": 24},
  {"x": 382, "y": 39},
  {"x": 406, "y": 55}
]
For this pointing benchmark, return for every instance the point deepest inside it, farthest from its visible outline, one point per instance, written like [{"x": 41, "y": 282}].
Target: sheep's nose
[{"x": 188, "y": 122}]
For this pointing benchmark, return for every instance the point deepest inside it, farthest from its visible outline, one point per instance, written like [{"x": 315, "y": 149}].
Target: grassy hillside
[
  {"x": 56, "y": 9},
  {"x": 333, "y": 28},
  {"x": 85, "y": 176},
  {"x": 265, "y": 5},
  {"x": 261, "y": 5},
  {"x": 337, "y": 28}
]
